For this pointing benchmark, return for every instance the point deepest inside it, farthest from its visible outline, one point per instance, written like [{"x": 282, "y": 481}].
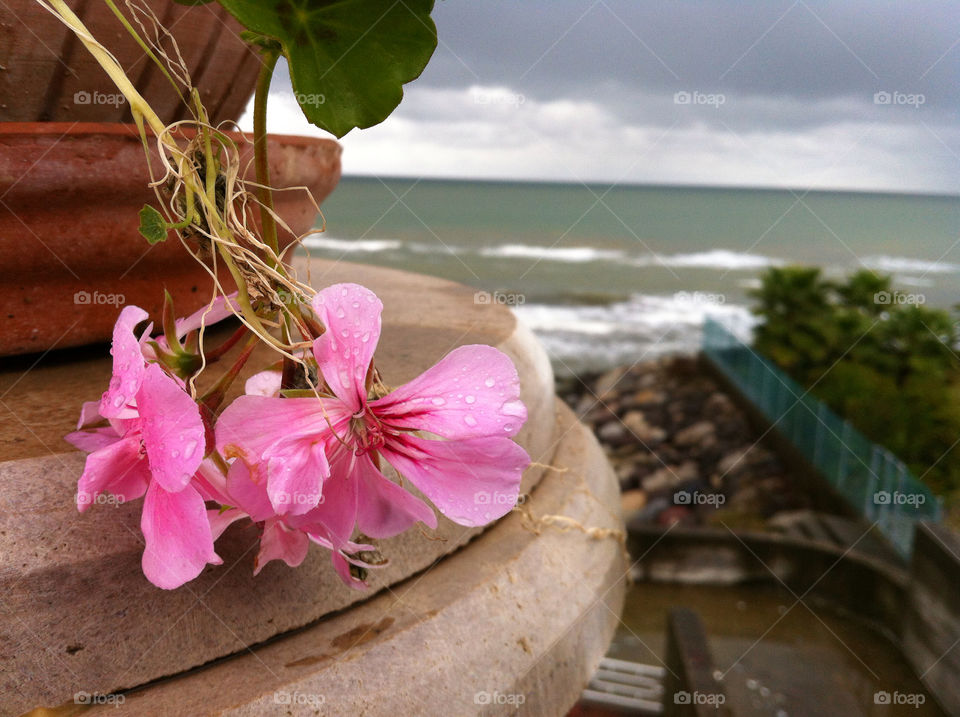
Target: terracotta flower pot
[
  {"x": 49, "y": 76},
  {"x": 70, "y": 251}
]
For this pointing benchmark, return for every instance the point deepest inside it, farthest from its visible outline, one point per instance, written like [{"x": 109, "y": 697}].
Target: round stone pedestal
[{"x": 520, "y": 614}]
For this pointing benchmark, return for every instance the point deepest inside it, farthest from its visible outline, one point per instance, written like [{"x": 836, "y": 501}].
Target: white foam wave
[
  {"x": 572, "y": 254},
  {"x": 900, "y": 264},
  {"x": 591, "y": 337},
  {"x": 352, "y": 245},
  {"x": 713, "y": 259}
]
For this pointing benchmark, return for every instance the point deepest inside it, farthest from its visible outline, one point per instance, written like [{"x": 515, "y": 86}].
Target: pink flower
[
  {"x": 319, "y": 459},
  {"x": 154, "y": 445}
]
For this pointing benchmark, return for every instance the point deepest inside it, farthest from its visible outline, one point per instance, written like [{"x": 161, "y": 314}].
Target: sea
[{"x": 613, "y": 274}]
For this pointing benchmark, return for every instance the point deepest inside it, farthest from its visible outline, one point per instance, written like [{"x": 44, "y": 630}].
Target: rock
[
  {"x": 612, "y": 432},
  {"x": 718, "y": 404},
  {"x": 608, "y": 381},
  {"x": 636, "y": 423},
  {"x": 663, "y": 479},
  {"x": 737, "y": 459},
  {"x": 632, "y": 500},
  {"x": 647, "y": 397},
  {"x": 687, "y": 471},
  {"x": 695, "y": 434}
]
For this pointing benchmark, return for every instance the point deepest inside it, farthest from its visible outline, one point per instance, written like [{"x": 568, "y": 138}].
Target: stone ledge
[
  {"x": 512, "y": 613},
  {"x": 76, "y": 609}
]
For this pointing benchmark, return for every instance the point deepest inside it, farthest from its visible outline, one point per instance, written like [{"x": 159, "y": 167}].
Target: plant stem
[{"x": 264, "y": 194}]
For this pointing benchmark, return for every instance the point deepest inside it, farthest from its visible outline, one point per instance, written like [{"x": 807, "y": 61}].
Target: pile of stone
[{"x": 682, "y": 450}]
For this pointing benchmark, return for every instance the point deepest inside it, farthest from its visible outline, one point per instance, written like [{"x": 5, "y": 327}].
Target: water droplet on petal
[
  {"x": 118, "y": 401},
  {"x": 366, "y": 337},
  {"x": 189, "y": 449},
  {"x": 470, "y": 399},
  {"x": 470, "y": 420},
  {"x": 438, "y": 401},
  {"x": 175, "y": 453},
  {"x": 340, "y": 312},
  {"x": 345, "y": 333},
  {"x": 489, "y": 383}
]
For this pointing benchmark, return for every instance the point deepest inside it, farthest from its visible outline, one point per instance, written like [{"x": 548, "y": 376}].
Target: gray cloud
[{"x": 770, "y": 93}]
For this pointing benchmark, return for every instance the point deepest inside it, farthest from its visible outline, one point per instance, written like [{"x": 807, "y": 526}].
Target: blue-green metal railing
[{"x": 877, "y": 484}]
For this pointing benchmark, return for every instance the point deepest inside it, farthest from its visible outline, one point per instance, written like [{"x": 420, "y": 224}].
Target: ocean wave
[
  {"x": 592, "y": 337},
  {"x": 352, "y": 245},
  {"x": 572, "y": 254},
  {"x": 900, "y": 264},
  {"x": 712, "y": 259}
]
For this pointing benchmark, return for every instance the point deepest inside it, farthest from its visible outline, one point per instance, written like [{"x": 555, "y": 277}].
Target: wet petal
[
  {"x": 384, "y": 509},
  {"x": 117, "y": 468},
  {"x": 119, "y": 400},
  {"x": 173, "y": 432},
  {"x": 247, "y": 494},
  {"x": 351, "y": 315},
  {"x": 473, "y": 391},
  {"x": 296, "y": 469},
  {"x": 93, "y": 439},
  {"x": 279, "y": 542},
  {"x": 472, "y": 482},
  {"x": 336, "y": 515},
  {"x": 178, "y": 537},
  {"x": 252, "y": 424}
]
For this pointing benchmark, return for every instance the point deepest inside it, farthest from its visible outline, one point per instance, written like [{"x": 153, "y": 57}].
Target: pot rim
[{"x": 121, "y": 129}]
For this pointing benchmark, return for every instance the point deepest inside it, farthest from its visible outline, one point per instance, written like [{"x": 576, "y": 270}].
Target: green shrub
[{"x": 886, "y": 364}]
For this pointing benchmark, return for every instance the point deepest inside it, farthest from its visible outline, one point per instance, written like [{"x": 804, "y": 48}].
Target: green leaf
[
  {"x": 349, "y": 59},
  {"x": 152, "y": 225}
]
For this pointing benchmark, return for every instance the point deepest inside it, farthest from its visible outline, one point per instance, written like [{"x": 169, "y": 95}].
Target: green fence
[{"x": 876, "y": 483}]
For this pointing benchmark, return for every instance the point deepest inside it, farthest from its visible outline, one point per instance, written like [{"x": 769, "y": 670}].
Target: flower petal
[
  {"x": 89, "y": 413},
  {"x": 220, "y": 520},
  {"x": 246, "y": 494},
  {"x": 336, "y": 515},
  {"x": 384, "y": 509},
  {"x": 473, "y": 391},
  {"x": 252, "y": 424},
  {"x": 265, "y": 383},
  {"x": 472, "y": 482},
  {"x": 351, "y": 314},
  {"x": 117, "y": 468},
  {"x": 173, "y": 431},
  {"x": 178, "y": 537},
  {"x": 119, "y": 400},
  {"x": 296, "y": 469},
  {"x": 93, "y": 439},
  {"x": 208, "y": 315},
  {"x": 279, "y": 542}
]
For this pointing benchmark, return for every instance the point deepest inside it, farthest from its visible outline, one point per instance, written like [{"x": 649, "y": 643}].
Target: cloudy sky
[{"x": 782, "y": 93}]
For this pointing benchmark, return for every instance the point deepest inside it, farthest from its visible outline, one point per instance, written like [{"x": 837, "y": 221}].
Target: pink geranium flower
[
  {"x": 154, "y": 445},
  {"x": 319, "y": 460}
]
